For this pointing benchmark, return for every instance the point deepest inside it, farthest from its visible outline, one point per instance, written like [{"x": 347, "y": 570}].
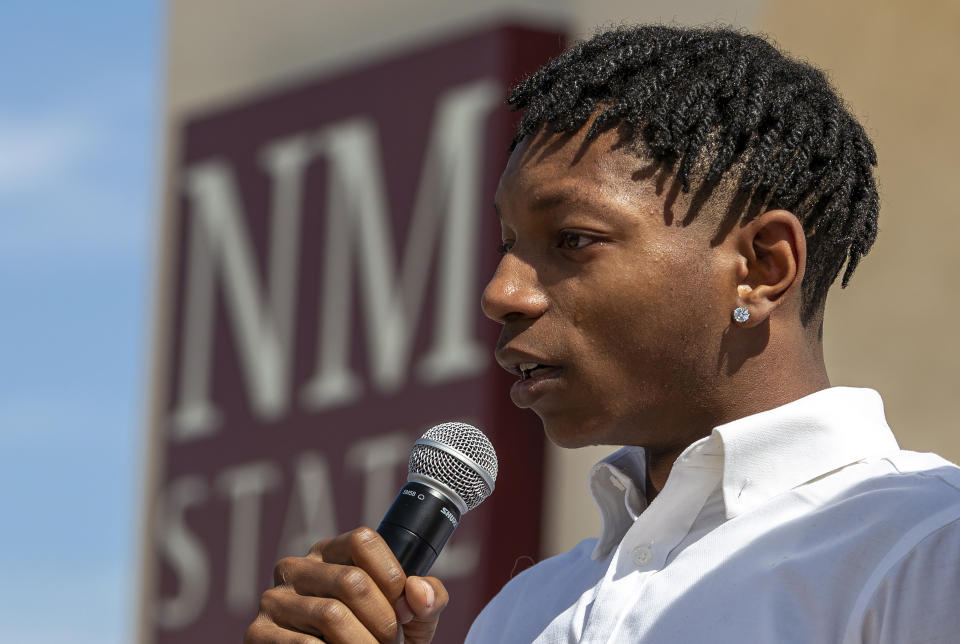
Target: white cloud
[
  {"x": 71, "y": 183},
  {"x": 35, "y": 152}
]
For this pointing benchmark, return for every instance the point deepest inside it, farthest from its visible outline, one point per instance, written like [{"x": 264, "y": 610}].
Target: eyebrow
[
  {"x": 548, "y": 200},
  {"x": 562, "y": 196}
]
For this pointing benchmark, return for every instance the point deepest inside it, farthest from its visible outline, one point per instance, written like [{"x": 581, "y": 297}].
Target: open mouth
[
  {"x": 532, "y": 369},
  {"x": 536, "y": 379}
]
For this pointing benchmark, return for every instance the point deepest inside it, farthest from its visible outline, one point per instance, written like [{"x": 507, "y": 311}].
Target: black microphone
[{"x": 453, "y": 468}]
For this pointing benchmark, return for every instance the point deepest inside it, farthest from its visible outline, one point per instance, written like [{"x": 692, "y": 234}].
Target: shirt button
[{"x": 642, "y": 555}]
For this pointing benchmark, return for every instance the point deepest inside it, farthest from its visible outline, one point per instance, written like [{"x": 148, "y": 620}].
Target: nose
[{"x": 513, "y": 292}]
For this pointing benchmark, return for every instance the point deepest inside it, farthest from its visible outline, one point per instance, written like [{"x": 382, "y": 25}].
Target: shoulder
[
  {"x": 930, "y": 485},
  {"x": 912, "y": 477},
  {"x": 925, "y": 479},
  {"x": 911, "y": 594},
  {"x": 928, "y": 466}
]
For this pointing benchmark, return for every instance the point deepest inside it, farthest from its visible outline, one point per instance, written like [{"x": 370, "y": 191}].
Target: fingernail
[{"x": 428, "y": 590}]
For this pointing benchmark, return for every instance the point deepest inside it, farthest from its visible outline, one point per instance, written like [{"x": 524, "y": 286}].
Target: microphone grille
[{"x": 458, "y": 456}]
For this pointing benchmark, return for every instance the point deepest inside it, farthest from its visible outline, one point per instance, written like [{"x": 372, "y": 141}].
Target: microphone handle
[{"x": 418, "y": 525}]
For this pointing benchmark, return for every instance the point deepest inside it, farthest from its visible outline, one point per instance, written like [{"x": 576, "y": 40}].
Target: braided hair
[{"x": 712, "y": 101}]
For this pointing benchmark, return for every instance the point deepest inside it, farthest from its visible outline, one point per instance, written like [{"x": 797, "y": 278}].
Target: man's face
[{"x": 612, "y": 311}]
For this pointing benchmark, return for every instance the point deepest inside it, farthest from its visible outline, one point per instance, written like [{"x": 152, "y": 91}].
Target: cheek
[
  {"x": 658, "y": 323},
  {"x": 617, "y": 331}
]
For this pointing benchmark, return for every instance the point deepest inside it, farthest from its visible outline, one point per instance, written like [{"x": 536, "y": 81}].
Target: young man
[{"x": 674, "y": 210}]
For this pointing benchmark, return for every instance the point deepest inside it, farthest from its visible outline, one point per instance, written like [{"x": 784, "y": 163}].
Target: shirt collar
[
  {"x": 763, "y": 455},
  {"x": 774, "y": 451},
  {"x": 617, "y": 487}
]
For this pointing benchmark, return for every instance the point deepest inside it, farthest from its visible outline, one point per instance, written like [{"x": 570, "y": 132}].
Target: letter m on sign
[
  {"x": 330, "y": 243},
  {"x": 358, "y": 233}
]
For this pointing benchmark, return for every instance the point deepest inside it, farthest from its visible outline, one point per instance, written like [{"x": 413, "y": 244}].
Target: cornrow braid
[{"x": 713, "y": 101}]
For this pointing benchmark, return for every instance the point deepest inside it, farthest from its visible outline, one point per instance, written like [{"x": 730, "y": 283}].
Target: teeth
[{"x": 527, "y": 366}]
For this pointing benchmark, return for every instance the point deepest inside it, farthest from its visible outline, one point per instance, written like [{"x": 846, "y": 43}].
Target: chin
[{"x": 572, "y": 434}]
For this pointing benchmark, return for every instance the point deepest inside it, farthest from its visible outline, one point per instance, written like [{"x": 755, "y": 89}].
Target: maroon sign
[{"x": 331, "y": 244}]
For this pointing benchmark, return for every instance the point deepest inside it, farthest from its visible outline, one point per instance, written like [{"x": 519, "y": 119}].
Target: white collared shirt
[{"x": 805, "y": 523}]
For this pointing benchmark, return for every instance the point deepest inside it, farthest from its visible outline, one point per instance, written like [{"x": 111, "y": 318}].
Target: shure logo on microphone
[{"x": 447, "y": 513}]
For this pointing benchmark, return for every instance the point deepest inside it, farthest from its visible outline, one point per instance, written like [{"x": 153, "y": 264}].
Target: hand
[{"x": 349, "y": 589}]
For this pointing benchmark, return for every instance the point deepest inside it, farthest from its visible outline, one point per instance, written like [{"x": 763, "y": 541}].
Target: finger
[
  {"x": 424, "y": 599},
  {"x": 296, "y": 571},
  {"x": 317, "y": 548},
  {"x": 366, "y": 549},
  {"x": 265, "y": 632},
  {"x": 426, "y": 596},
  {"x": 324, "y": 617},
  {"x": 349, "y": 584}
]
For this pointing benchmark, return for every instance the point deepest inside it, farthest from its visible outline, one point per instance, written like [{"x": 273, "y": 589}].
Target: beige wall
[{"x": 893, "y": 329}]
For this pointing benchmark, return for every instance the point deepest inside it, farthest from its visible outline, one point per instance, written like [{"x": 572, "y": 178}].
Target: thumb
[{"x": 418, "y": 609}]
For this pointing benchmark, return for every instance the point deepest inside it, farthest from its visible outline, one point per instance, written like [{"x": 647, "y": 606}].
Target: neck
[{"x": 753, "y": 393}]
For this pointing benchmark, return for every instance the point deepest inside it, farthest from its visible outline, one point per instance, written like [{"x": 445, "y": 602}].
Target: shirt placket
[{"x": 647, "y": 544}]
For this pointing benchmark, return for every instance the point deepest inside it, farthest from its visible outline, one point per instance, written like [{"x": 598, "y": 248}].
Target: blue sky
[{"x": 80, "y": 101}]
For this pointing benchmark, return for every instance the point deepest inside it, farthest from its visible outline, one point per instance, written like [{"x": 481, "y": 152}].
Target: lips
[
  {"x": 538, "y": 376},
  {"x": 532, "y": 388},
  {"x": 523, "y": 364},
  {"x": 533, "y": 369}
]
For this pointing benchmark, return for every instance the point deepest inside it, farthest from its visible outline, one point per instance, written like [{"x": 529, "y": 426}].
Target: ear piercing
[{"x": 741, "y": 314}]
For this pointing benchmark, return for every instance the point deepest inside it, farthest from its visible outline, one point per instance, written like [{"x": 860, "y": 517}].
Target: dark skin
[
  {"x": 631, "y": 305},
  {"x": 624, "y": 304},
  {"x": 348, "y": 589}
]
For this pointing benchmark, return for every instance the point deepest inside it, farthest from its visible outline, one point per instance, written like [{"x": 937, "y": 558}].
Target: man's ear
[{"x": 773, "y": 254}]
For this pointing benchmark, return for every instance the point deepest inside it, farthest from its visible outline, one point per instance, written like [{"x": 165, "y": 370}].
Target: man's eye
[
  {"x": 505, "y": 247},
  {"x": 574, "y": 241}
]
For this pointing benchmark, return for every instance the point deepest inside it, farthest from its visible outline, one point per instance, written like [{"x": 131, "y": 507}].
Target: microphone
[{"x": 452, "y": 469}]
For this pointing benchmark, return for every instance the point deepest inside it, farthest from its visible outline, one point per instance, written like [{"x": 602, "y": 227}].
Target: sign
[{"x": 331, "y": 244}]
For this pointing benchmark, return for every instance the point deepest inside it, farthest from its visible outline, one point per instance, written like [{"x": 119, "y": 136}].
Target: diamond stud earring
[{"x": 741, "y": 314}]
